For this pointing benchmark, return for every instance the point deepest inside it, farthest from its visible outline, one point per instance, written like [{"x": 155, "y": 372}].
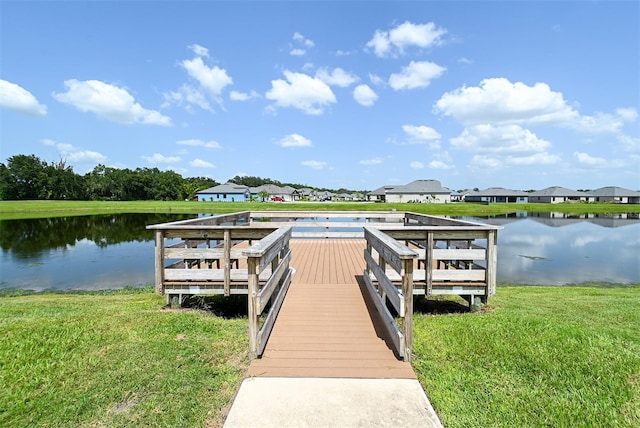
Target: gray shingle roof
[
  {"x": 420, "y": 186},
  {"x": 614, "y": 191},
  {"x": 499, "y": 191},
  {"x": 557, "y": 191},
  {"x": 226, "y": 188}
]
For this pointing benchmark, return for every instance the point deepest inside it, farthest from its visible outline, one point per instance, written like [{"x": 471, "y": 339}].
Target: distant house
[
  {"x": 286, "y": 193},
  {"x": 498, "y": 195},
  {"x": 615, "y": 194},
  {"x": 419, "y": 191},
  {"x": 380, "y": 194},
  {"x": 304, "y": 193},
  {"x": 228, "y": 192},
  {"x": 557, "y": 194}
]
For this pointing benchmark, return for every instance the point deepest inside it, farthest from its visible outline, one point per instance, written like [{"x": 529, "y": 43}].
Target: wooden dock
[{"x": 326, "y": 327}]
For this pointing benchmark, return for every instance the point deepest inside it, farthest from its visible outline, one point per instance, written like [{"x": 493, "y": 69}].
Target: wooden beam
[{"x": 159, "y": 262}]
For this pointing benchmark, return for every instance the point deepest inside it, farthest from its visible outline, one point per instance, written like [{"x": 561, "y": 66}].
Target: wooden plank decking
[{"x": 325, "y": 327}]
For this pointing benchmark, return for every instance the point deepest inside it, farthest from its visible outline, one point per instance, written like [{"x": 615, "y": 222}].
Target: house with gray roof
[
  {"x": 287, "y": 193},
  {"x": 557, "y": 194},
  {"x": 228, "y": 192},
  {"x": 419, "y": 191},
  {"x": 380, "y": 194},
  {"x": 498, "y": 195},
  {"x": 615, "y": 194}
]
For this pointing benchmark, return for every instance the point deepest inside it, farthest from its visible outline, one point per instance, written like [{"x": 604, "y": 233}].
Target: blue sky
[{"x": 353, "y": 94}]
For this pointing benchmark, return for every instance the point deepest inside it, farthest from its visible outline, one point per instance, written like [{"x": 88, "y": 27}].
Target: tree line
[{"x": 27, "y": 177}]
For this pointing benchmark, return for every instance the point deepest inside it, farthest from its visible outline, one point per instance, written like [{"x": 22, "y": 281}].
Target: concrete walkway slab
[{"x": 321, "y": 402}]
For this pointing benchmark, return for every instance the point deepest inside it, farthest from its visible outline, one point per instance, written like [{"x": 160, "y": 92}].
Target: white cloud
[
  {"x": 301, "y": 44},
  {"x": 108, "y": 101},
  {"x": 422, "y": 135},
  {"x": 199, "y": 50},
  {"x": 314, "y": 164},
  {"x": 294, "y": 140},
  {"x": 375, "y": 161},
  {"x": 503, "y": 139},
  {"x": 199, "y": 163},
  {"x": 627, "y": 114},
  {"x": 311, "y": 95},
  {"x": 418, "y": 74},
  {"x": 500, "y": 101},
  {"x": 299, "y": 38},
  {"x": 438, "y": 164},
  {"x": 588, "y": 160},
  {"x": 243, "y": 96},
  {"x": 338, "y": 77},
  {"x": 212, "y": 79},
  {"x": 376, "y": 80},
  {"x": 395, "y": 41},
  {"x": 534, "y": 159},
  {"x": 188, "y": 96},
  {"x": 15, "y": 97},
  {"x": 364, "y": 95},
  {"x": 416, "y": 165},
  {"x": 200, "y": 143},
  {"x": 75, "y": 155},
  {"x": 157, "y": 158}
]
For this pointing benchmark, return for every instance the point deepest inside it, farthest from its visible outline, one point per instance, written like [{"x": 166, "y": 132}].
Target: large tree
[{"x": 24, "y": 177}]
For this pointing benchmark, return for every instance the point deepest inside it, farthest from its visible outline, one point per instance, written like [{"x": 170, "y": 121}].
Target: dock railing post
[
  {"x": 253, "y": 285},
  {"x": 492, "y": 263},
  {"x": 159, "y": 261},
  {"x": 407, "y": 320}
]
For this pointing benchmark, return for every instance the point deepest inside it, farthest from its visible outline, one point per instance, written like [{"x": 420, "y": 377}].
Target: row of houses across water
[
  {"x": 232, "y": 192},
  {"x": 419, "y": 191}
]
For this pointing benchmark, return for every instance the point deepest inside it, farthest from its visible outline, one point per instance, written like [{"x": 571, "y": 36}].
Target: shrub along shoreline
[{"x": 536, "y": 356}]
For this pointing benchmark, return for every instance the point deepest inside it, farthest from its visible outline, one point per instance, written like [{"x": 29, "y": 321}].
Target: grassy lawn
[
  {"x": 115, "y": 359},
  {"x": 539, "y": 356},
  {"x": 38, "y": 209}
]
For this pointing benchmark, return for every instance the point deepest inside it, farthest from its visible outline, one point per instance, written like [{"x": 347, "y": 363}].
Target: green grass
[
  {"x": 540, "y": 356},
  {"x": 39, "y": 209},
  {"x": 537, "y": 356},
  {"x": 115, "y": 359}
]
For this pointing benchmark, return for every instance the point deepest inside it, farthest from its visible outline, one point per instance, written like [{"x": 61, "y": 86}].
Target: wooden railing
[
  {"x": 400, "y": 258},
  {"x": 274, "y": 252},
  {"x": 452, "y": 259},
  {"x": 325, "y": 224},
  {"x": 460, "y": 260}
]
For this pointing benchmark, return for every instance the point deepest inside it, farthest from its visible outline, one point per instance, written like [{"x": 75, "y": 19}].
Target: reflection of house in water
[
  {"x": 555, "y": 219},
  {"x": 502, "y": 219},
  {"x": 615, "y": 220}
]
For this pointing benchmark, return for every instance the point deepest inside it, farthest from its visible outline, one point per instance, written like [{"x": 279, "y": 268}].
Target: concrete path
[{"x": 322, "y": 402}]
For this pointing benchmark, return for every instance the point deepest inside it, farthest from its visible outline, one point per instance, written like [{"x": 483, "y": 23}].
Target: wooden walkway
[{"x": 325, "y": 328}]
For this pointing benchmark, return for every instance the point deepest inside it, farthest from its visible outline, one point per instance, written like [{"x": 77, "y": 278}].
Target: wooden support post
[
  {"x": 407, "y": 321},
  {"x": 429, "y": 265},
  {"x": 253, "y": 314},
  {"x": 492, "y": 263},
  {"x": 227, "y": 263},
  {"x": 159, "y": 262}
]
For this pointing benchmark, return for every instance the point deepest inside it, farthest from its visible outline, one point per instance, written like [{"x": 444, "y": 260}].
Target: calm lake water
[{"x": 114, "y": 251}]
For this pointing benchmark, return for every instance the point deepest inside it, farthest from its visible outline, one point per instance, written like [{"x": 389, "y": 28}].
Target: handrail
[
  {"x": 401, "y": 258},
  {"x": 272, "y": 250}
]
